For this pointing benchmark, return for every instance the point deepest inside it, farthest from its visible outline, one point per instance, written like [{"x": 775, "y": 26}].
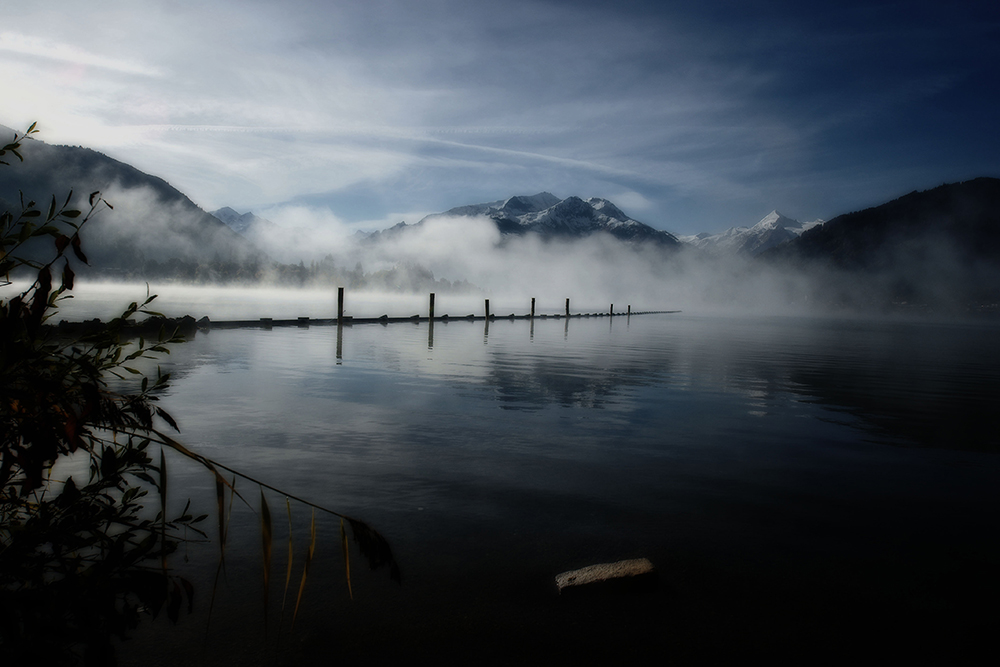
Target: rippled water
[{"x": 814, "y": 489}]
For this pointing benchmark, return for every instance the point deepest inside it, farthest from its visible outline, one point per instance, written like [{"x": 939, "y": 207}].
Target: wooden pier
[
  {"x": 267, "y": 322},
  {"x": 187, "y": 325},
  {"x": 347, "y": 320}
]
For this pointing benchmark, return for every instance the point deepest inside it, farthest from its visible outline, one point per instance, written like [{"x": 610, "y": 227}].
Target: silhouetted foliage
[
  {"x": 81, "y": 556},
  {"x": 79, "y": 560}
]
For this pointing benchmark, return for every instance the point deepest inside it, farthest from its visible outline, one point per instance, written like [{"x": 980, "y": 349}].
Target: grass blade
[
  {"x": 265, "y": 535},
  {"x": 221, "y": 569},
  {"x": 232, "y": 497},
  {"x": 305, "y": 568},
  {"x": 347, "y": 557},
  {"x": 288, "y": 570},
  {"x": 163, "y": 511},
  {"x": 220, "y": 502}
]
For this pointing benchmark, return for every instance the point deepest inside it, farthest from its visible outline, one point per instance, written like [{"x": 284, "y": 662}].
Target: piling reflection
[
  {"x": 340, "y": 343},
  {"x": 935, "y": 391},
  {"x": 901, "y": 383},
  {"x": 740, "y": 449}
]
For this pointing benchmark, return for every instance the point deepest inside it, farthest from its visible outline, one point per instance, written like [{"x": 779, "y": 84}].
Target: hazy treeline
[
  {"x": 469, "y": 255},
  {"x": 404, "y": 277}
]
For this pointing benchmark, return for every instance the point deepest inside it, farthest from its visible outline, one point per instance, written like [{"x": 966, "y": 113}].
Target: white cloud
[
  {"x": 631, "y": 201},
  {"x": 260, "y": 102},
  {"x": 70, "y": 53}
]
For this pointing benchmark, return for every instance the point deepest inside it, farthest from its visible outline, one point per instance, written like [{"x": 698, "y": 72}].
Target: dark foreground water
[{"x": 810, "y": 491}]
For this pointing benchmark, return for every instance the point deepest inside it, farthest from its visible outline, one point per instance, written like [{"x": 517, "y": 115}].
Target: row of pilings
[{"x": 341, "y": 319}]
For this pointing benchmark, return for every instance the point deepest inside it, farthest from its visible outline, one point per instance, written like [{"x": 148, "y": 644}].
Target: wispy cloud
[
  {"x": 39, "y": 47},
  {"x": 710, "y": 114}
]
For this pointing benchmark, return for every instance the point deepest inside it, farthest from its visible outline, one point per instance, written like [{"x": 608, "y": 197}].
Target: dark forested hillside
[
  {"x": 965, "y": 216},
  {"x": 939, "y": 246},
  {"x": 152, "y": 222}
]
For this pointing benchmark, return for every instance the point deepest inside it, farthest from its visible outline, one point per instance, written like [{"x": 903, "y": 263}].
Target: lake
[{"x": 809, "y": 490}]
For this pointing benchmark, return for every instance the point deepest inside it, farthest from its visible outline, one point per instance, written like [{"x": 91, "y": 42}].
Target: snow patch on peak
[
  {"x": 607, "y": 208},
  {"x": 773, "y": 229},
  {"x": 549, "y": 216},
  {"x": 775, "y": 220}
]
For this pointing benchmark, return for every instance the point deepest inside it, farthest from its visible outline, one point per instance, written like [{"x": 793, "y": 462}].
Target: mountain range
[
  {"x": 772, "y": 230},
  {"x": 548, "y": 217},
  {"x": 939, "y": 245}
]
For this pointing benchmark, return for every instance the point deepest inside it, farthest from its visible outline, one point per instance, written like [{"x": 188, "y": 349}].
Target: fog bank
[{"x": 594, "y": 271}]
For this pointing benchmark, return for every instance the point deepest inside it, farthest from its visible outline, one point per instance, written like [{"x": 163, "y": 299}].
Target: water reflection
[
  {"x": 340, "y": 343},
  {"x": 736, "y": 454},
  {"x": 930, "y": 385},
  {"x": 530, "y": 383}
]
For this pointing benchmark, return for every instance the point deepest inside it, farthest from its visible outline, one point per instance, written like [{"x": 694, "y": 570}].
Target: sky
[{"x": 690, "y": 116}]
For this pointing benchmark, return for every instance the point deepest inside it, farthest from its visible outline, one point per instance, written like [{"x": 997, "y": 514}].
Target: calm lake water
[{"x": 809, "y": 490}]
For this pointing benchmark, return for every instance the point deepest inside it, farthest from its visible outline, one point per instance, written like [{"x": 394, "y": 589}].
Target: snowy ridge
[
  {"x": 773, "y": 229},
  {"x": 547, "y": 215}
]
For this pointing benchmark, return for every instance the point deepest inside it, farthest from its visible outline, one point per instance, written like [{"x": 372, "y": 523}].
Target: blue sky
[{"x": 691, "y": 116}]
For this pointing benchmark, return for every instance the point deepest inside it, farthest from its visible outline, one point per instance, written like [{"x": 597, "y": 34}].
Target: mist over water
[
  {"x": 467, "y": 260},
  {"x": 593, "y": 272}
]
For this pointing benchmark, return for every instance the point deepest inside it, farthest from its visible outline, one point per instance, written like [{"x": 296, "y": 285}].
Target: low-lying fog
[{"x": 593, "y": 272}]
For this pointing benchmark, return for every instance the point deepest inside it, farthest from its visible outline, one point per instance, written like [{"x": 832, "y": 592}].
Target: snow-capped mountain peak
[
  {"x": 607, "y": 208},
  {"x": 774, "y": 220},
  {"x": 549, "y": 216},
  {"x": 773, "y": 229}
]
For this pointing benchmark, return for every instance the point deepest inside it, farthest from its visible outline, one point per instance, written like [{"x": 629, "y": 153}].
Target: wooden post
[
  {"x": 430, "y": 312},
  {"x": 567, "y": 306},
  {"x": 532, "y": 307},
  {"x": 611, "y": 313},
  {"x": 487, "y": 309},
  {"x": 340, "y": 305},
  {"x": 628, "y": 313},
  {"x": 340, "y": 343}
]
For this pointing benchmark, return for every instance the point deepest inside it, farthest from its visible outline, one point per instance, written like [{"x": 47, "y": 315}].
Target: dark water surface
[{"x": 810, "y": 491}]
